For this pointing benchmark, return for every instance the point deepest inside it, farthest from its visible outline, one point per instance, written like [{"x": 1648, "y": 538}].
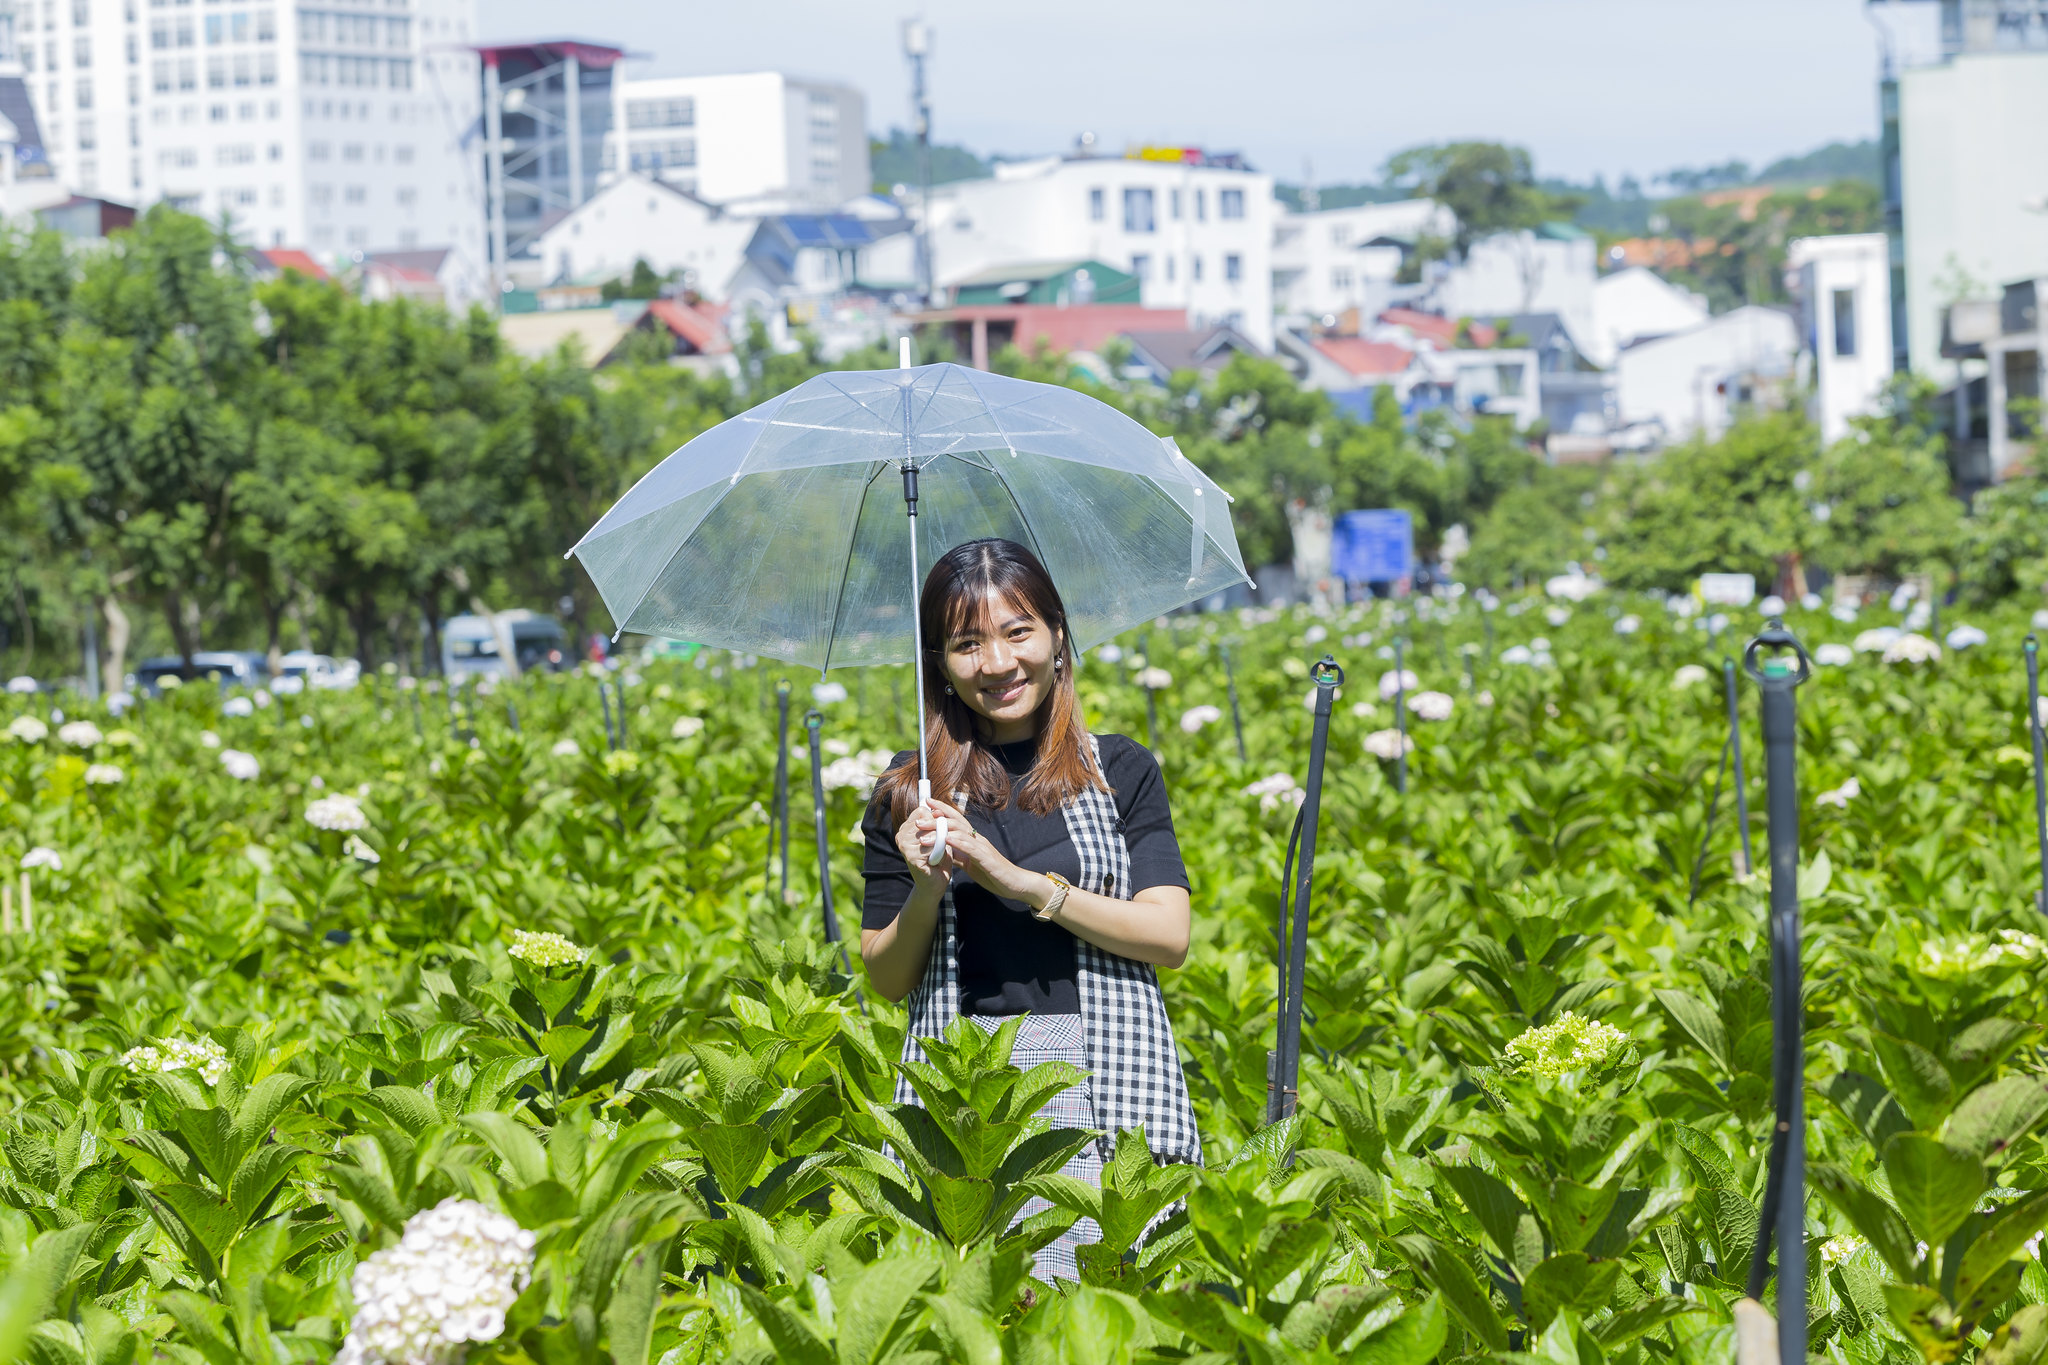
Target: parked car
[
  {"x": 320, "y": 670},
  {"x": 226, "y": 667},
  {"x": 472, "y": 646}
]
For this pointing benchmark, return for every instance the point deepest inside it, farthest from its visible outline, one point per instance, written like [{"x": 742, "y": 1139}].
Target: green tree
[{"x": 1489, "y": 186}]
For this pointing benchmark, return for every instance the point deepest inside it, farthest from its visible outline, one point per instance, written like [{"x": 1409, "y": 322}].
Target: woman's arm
[
  {"x": 1151, "y": 927},
  {"x": 896, "y": 953}
]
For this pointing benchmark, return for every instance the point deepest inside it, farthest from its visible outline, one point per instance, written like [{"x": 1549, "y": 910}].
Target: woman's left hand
[{"x": 969, "y": 851}]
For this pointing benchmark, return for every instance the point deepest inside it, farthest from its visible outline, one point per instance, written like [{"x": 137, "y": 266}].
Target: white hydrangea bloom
[
  {"x": 545, "y": 949},
  {"x": 1841, "y": 796},
  {"x": 565, "y": 748},
  {"x": 685, "y": 727},
  {"x": 1430, "y": 705},
  {"x": 1773, "y": 605},
  {"x": 28, "y": 729},
  {"x": 1388, "y": 744},
  {"x": 243, "y": 767},
  {"x": 1392, "y": 681},
  {"x": 1845, "y": 612},
  {"x": 1271, "y": 791},
  {"x": 80, "y": 734},
  {"x": 21, "y": 684},
  {"x": 1557, "y": 616},
  {"x": 1154, "y": 679},
  {"x": 176, "y": 1054},
  {"x": 1567, "y": 1043},
  {"x": 1517, "y": 654},
  {"x": 103, "y": 775},
  {"x": 360, "y": 851},
  {"x": 1833, "y": 655},
  {"x": 1689, "y": 675},
  {"x": 1109, "y": 654},
  {"x": 454, "y": 1274},
  {"x": 42, "y": 856},
  {"x": 1877, "y": 641},
  {"x": 1315, "y": 635},
  {"x": 1912, "y": 649},
  {"x": 826, "y": 693},
  {"x": 1628, "y": 625},
  {"x": 209, "y": 739},
  {"x": 1195, "y": 717},
  {"x": 238, "y": 706},
  {"x": 1966, "y": 637},
  {"x": 340, "y": 813}
]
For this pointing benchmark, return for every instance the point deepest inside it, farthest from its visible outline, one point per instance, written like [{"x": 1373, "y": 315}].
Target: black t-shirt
[{"x": 1010, "y": 962}]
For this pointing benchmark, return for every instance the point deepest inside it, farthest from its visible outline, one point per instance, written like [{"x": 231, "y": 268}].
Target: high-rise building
[
  {"x": 547, "y": 108},
  {"x": 760, "y": 141},
  {"x": 330, "y": 125}
]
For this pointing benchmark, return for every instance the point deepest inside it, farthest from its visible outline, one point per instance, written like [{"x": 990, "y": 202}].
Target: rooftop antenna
[{"x": 917, "y": 45}]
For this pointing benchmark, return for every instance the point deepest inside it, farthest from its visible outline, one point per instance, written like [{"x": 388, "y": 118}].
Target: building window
[
  {"x": 237, "y": 154},
  {"x": 1169, "y": 269},
  {"x": 245, "y": 71},
  {"x": 216, "y": 29},
  {"x": 400, "y": 75},
  {"x": 1195, "y": 269},
  {"x": 402, "y": 155},
  {"x": 1845, "y": 322},
  {"x": 1138, "y": 211},
  {"x": 407, "y": 197},
  {"x": 180, "y": 158},
  {"x": 318, "y": 151},
  {"x": 672, "y": 113},
  {"x": 81, "y": 51},
  {"x": 1233, "y": 266},
  {"x": 1173, "y": 203},
  {"x": 1141, "y": 266},
  {"x": 238, "y": 26},
  {"x": 88, "y": 135},
  {"x": 216, "y": 73},
  {"x": 655, "y": 157},
  {"x": 323, "y": 195},
  {"x": 84, "y": 93},
  {"x": 1230, "y": 203},
  {"x": 1095, "y": 206},
  {"x": 266, "y": 26},
  {"x": 1340, "y": 278},
  {"x": 266, "y": 68},
  {"x": 1201, "y": 206},
  {"x": 217, "y": 113},
  {"x": 188, "y": 73},
  {"x": 244, "y": 196},
  {"x": 355, "y": 194},
  {"x": 351, "y": 151}
]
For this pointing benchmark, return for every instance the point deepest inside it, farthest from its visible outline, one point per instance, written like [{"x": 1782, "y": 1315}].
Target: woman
[{"x": 1061, "y": 886}]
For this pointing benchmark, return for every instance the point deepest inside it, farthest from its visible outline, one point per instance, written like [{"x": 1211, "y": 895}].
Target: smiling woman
[{"x": 1073, "y": 887}]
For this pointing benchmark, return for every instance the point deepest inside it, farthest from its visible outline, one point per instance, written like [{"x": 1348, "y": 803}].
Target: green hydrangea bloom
[
  {"x": 1567, "y": 1043},
  {"x": 545, "y": 950}
]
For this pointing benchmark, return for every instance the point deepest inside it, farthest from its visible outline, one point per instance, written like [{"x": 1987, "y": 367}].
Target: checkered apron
[{"x": 1135, "y": 1077}]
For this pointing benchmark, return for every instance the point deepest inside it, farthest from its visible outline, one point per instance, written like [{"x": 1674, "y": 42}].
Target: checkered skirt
[
  {"x": 1045, "y": 1038},
  {"x": 1135, "y": 1074}
]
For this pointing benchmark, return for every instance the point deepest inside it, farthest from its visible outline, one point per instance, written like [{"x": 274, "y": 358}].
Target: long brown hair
[{"x": 956, "y": 597}]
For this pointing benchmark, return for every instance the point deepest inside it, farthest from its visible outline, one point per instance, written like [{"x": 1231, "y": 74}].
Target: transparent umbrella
[{"x": 783, "y": 531}]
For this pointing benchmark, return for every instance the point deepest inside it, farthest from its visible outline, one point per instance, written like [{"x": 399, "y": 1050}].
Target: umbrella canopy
[{"x": 783, "y": 532}]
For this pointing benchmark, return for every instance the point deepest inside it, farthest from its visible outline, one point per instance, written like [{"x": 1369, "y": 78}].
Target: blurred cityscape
[{"x": 381, "y": 142}]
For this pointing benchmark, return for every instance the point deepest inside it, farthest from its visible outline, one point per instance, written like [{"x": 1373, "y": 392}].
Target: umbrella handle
[{"x": 924, "y": 796}]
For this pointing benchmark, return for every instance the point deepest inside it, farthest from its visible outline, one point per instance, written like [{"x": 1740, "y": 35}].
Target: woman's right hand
[{"x": 914, "y": 836}]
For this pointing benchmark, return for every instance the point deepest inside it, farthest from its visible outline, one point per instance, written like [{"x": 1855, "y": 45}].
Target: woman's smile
[{"x": 1006, "y": 692}]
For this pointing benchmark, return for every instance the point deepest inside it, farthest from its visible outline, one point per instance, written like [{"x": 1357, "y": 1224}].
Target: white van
[{"x": 473, "y": 646}]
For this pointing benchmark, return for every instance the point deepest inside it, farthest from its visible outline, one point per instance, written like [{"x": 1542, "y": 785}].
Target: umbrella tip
[{"x": 902, "y": 353}]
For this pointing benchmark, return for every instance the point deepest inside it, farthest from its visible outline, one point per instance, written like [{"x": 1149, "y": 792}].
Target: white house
[
  {"x": 1550, "y": 270},
  {"x": 1634, "y": 305},
  {"x": 637, "y": 218},
  {"x": 1330, "y": 261},
  {"x": 1843, "y": 284},
  {"x": 1196, "y": 231},
  {"x": 1694, "y": 382},
  {"x": 763, "y": 140}
]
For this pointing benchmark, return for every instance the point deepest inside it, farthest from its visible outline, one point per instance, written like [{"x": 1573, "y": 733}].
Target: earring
[
  {"x": 1055, "y": 665},
  {"x": 949, "y": 689}
]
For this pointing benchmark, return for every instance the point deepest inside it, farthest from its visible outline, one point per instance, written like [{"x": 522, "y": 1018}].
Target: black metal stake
[
  {"x": 813, "y": 720},
  {"x": 619, "y": 691},
  {"x": 780, "y": 812},
  {"x": 604, "y": 699},
  {"x": 1283, "y": 1081},
  {"x": 1783, "y": 1216},
  {"x": 512, "y": 715},
  {"x": 1400, "y": 719},
  {"x": 2040, "y": 767},
  {"x": 1236, "y": 720},
  {"x": 1735, "y": 748}
]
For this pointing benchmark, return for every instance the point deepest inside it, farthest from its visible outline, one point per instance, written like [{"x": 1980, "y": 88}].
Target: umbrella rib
[
  {"x": 1023, "y": 519},
  {"x": 622, "y": 621},
  {"x": 839, "y": 602}
]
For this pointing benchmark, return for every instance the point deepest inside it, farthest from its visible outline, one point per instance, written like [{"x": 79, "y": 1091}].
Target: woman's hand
[
  {"x": 969, "y": 851},
  {"x": 914, "y": 835}
]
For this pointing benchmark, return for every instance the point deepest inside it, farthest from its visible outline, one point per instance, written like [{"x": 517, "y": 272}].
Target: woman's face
[{"x": 1002, "y": 667}]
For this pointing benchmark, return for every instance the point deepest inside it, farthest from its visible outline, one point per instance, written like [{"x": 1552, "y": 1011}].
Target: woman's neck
[{"x": 1010, "y": 732}]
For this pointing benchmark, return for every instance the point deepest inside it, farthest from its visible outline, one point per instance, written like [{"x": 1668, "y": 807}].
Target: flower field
[{"x": 390, "y": 1026}]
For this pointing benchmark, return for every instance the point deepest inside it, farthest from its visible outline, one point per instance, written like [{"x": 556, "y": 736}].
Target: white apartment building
[
  {"x": 1843, "y": 284},
  {"x": 336, "y": 125},
  {"x": 1550, "y": 270},
  {"x": 1330, "y": 261},
  {"x": 757, "y": 142},
  {"x": 1197, "y": 236}
]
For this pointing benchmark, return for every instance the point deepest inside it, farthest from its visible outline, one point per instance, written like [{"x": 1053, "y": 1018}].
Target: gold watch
[{"x": 1060, "y": 887}]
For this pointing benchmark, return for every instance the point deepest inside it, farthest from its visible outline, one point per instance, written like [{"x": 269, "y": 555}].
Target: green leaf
[
  {"x": 794, "y": 1338},
  {"x": 879, "y": 1306},
  {"x": 1926, "y": 1319},
  {"x": 200, "y": 1221},
  {"x": 209, "y": 1135},
  {"x": 629, "y": 1317},
  {"x": 1934, "y": 1185},
  {"x": 1993, "y": 1117},
  {"x": 406, "y": 1107},
  {"x": 564, "y": 1041},
  {"x": 1703, "y": 1022},
  {"x": 2023, "y": 1340},
  {"x": 260, "y": 1173},
  {"x": 2001, "y": 1238},
  {"x": 1576, "y": 1211},
  {"x": 733, "y": 1154},
  {"x": 1490, "y": 1201},
  {"x": 1868, "y": 1105},
  {"x": 525, "y": 1160},
  {"x": 1877, "y": 1222},
  {"x": 1414, "y": 1338},
  {"x": 1451, "y": 1277},
  {"x": 1640, "y": 1318},
  {"x": 1569, "y": 1281},
  {"x": 1919, "y": 1080}
]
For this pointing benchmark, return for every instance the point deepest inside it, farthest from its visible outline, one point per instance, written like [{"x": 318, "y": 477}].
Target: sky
[{"x": 1609, "y": 86}]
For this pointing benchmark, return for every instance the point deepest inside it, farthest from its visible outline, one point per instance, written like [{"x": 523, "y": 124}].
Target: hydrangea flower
[
  {"x": 1836, "y": 1250},
  {"x": 825, "y": 693},
  {"x": 1841, "y": 796},
  {"x": 859, "y": 771},
  {"x": 1315, "y": 635},
  {"x": 103, "y": 775},
  {"x": 42, "y": 856},
  {"x": 339, "y": 813},
  {"x": 1364, "y": 710},
  {"x": 1628, "y": 625},
  {"x": 1966, "y": 637},
  {"x": 1271, "y": 791},
  {"x": 565, "y": 748},
  {"x": 1109, "y": 654},
  {"x": 80, "y": 734},
  {"x": 122, "y": 739},
  {"x": 176, "y": 1054},
  {"x": 238, "y": 706},
  {"x": 1518, "y": 654},
  {"x": 1388, "y": 744},
  {"x": 1567, "y": 1043},
  {"x": 620, "y": 762},
  {"x": 1557, "y": 616},
  {"x": 455, "y": 1272},
  {"x": 209, "y": 739},
  {"x": 1430, "y": 705},
  {"x": 28, "y": 729},
  {"x": 1833, "y": 655},
  {"x": 1877, "y": 641},
  {"x": 21, "y": 684},
  {"x": 1773, "y": 605},
  {"x": 1689, "y": 675},
  {"x": 2011, "y": 753},
  {"x": 545, "y": 949},
  {"x": 1912, "y": 649},
  {"x": 1154, "y": 679},
  {"x": 1195, "y": 717},
  {"x": 685, "y": 727},
  {"x": 360, "y": 851},
  {"x": 1402, "y": 681},
  {"x": 1950, "y": 959},
  {"x": 243, "y": 767}
]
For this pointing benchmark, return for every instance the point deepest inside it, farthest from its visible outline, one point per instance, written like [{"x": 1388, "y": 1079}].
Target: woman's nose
[{"x": 1000, "y": 659}]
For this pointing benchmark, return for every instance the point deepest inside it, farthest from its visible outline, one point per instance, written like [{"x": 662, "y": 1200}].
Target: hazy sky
[{"x": 1588, "y": 85}]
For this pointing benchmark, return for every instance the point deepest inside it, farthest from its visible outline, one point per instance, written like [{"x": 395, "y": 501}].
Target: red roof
[
  {"x": 693, "y": 325},
  {"x": 1441, "y": 330},
  {"x": 283, "y": 259},
  {"x": 1361, "y": 357},
  {"x": 1080, "y": 327}
]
